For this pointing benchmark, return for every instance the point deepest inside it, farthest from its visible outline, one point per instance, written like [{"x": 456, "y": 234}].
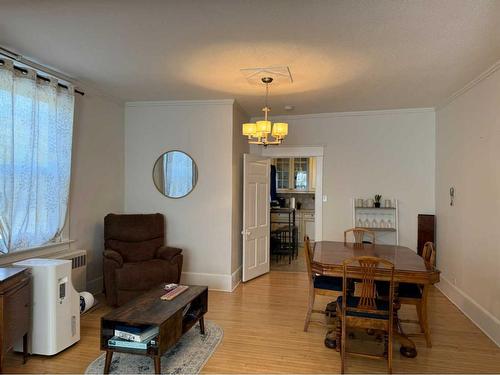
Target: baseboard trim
[
  {"x": 215, "y": 281},
  {"x": 236, "y": 278},
  {"x": 95, "y": 286},
  {"x": 482, "y": 318}
]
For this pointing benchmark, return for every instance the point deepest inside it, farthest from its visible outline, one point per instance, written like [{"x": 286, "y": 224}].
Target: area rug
[{"x": 187, "y": 357}]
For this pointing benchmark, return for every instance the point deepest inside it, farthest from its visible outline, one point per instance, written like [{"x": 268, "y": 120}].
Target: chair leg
[
  {"x": 309, "y": 308},
  {"x": 389, "y": 354},
  {"x": 338, "y": 333},
  {"x": 343, "y": 347}
]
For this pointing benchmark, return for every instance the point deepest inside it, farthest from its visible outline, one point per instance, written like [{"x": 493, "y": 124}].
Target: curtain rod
[{"x": 19, "y": 58}]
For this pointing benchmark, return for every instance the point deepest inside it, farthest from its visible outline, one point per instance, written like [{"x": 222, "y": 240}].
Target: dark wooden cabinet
[
  {"x": 15, "y": 309},
  {"x": 426, "y": 231}
]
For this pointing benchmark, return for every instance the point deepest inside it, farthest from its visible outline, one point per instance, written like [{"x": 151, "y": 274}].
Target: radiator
[{"x": 78, "y": 267}]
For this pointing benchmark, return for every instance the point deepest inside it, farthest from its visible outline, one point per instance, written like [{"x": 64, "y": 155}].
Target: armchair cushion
[
  {"x": 142, "y": 276},
  {"x": 114, "y": 256},
  {"x": 136, "y": 237},
  {"x": 135, "y": 251},
  {"x": 167, "y": 252}
]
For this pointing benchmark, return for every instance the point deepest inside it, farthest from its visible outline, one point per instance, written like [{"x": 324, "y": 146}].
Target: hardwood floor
[
  {"x": 297, "y": 265},
  {"x": 263, "y": 321}
]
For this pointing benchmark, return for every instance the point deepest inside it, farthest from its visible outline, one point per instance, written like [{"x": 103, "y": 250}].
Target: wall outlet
[{"x": 325, "y": 198}]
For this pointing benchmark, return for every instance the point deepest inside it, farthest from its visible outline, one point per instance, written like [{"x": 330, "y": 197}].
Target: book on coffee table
[
  {"x": 174, "y": 293},
  {"x": 135, "y": 333},
  {"x": 117, "y": 342}
]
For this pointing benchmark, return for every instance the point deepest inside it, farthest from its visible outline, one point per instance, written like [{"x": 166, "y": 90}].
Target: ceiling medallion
[{"x": 258, "y": 132}]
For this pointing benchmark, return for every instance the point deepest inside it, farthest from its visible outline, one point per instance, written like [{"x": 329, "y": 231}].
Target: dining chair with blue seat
[
  {"x": 417, "y": 295},
  {"x": 365, "y": 311},
  {"x": 318, "y": 285}
]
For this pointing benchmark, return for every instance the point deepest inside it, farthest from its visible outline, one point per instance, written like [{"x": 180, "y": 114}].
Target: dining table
[{"x": 409, "y": 267}]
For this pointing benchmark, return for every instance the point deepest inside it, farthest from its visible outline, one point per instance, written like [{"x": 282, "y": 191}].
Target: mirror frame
[{"x": 195, "y": 174}]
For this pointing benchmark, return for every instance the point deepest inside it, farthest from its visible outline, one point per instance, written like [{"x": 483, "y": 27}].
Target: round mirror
[{"x": 175, "y": 174}]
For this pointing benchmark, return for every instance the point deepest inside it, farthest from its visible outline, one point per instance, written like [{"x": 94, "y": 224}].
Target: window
[{"x": 36, "y": 125}]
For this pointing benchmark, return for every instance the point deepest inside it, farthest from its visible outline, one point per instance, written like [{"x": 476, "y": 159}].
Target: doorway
[
  {"x": 298, "y": 178},
  {"x": 256, "y": 229}
]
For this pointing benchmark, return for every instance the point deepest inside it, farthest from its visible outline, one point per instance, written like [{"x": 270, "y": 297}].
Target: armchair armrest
[
  {"x": 167, "y": 252},
  {"x": 114, "y": 256}
]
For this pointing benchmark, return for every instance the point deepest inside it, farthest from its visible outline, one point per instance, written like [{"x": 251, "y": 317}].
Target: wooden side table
[{"x": 15, "y": 309}]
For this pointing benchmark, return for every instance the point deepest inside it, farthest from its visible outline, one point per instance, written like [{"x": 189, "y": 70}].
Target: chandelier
[{"x": 258, "y": 132}]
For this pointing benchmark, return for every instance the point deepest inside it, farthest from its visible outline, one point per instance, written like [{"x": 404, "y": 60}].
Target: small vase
[{"x": 377, "y": 204}]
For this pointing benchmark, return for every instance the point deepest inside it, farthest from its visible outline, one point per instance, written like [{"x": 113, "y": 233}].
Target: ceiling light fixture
[{"x": 258, "y": 132}]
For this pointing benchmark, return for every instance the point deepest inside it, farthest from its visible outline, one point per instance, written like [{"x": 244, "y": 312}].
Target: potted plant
[{"x": 378, "y": 197}]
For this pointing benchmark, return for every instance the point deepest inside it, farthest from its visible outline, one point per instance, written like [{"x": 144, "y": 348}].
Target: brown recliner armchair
[{"x": 135, "y": 258}]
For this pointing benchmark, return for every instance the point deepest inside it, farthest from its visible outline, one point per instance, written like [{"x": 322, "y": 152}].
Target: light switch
[{"x": 325, "y": 198}]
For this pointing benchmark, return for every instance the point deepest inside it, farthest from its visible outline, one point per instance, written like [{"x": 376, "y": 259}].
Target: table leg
[
  {"x": 107, "y": 363},
  {"x": 202, "y": 325},
  {"x": 25, "y": 348},
  {"x": 157, "y": 364}
]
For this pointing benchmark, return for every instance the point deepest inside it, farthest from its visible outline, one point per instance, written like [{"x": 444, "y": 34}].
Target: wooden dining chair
[
  {"x": 365, "y": 311},
  {"x": 318, "y": 285},
  {"x": 416, "y": 295},
  {"x": 359, "y": 235}
]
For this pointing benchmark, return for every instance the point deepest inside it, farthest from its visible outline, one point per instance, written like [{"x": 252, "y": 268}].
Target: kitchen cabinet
[
  {"x": 295, "y": 174},
  {"x": 306, "y": 225}
]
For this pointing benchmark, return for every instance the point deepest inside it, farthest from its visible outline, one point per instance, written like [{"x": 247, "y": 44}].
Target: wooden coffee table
[{"x": 149, "y": 309}]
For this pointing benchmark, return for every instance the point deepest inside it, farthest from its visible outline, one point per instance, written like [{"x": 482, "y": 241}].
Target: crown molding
[
  {"x": 179, "y": 103},
  {"x": 481, "y": 77},
  {"x": 383, "y": 112}
]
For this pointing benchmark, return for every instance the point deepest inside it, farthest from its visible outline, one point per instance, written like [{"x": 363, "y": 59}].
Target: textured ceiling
[{"x": 343, "y": 55}]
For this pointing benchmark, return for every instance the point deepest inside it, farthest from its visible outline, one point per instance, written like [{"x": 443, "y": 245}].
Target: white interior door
[{"x": 256, "y": 196}]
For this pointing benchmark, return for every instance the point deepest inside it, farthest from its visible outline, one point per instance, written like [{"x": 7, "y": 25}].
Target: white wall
[
  {"x": 96, "y": 176},
  {"x": 468, "y": 239},
  {"x": 202, "y": 222},
  {"x": 385, "y": 152},
  {"x": 240, "y": 146}
]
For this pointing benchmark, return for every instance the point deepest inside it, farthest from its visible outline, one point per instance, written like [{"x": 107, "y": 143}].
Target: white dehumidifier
[{"x": 56, "y": 306}]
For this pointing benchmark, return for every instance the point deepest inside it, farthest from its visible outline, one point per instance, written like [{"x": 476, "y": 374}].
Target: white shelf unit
[{"x": 384, "y": 221}]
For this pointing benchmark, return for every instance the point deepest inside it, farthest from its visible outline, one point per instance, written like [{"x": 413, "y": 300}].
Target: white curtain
[
  {"x": 178, "y": 173},
  {"x": 36, "y": 126}
]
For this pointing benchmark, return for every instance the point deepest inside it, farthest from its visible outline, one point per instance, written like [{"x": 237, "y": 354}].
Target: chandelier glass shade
[{"x": 264, "y": 132}]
